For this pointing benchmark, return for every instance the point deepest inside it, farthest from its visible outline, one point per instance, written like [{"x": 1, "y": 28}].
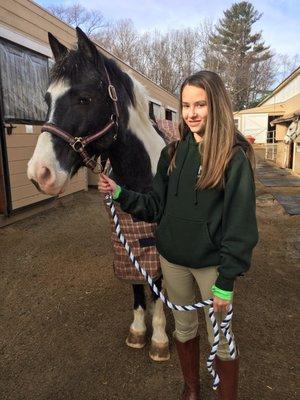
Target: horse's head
[
  {"x": 293, "y": 131},
  {"x": 80, "y": 103}
]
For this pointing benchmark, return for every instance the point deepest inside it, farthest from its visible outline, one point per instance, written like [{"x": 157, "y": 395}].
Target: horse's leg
[
  {"x": 137, "y": 332},
  {"x": 159, "y": 350}
]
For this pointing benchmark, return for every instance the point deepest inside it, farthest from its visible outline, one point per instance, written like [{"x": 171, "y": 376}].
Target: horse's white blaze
[
  {"x": 141, "y": 126},
  {"x": 57, "y": 89},
  {"x": 138, "y": 323},
  {"x": 293, "y": 132},
  {"x": 159, "y": 323},
  {"x": 44, "y": 156}
]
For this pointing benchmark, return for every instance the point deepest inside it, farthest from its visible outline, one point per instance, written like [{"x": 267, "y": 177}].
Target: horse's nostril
[
  {"x": 36, "y": 184},
  {"x": 45, "y": 174}
]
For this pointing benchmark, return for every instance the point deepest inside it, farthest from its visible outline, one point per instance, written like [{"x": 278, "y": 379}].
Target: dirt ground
[{"x": 64, "y": 316}]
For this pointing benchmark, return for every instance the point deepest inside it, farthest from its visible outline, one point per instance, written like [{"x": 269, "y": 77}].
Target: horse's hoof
[
  {"x": 159, "y": 351},
  {"x": 135, "y": 339}
]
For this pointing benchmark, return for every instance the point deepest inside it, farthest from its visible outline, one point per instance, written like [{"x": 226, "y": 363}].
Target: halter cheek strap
[{"x": 78, "y": 144}]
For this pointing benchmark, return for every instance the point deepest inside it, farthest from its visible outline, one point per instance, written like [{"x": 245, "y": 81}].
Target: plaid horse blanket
[
  {"x": 140, "y": 237},
  {"x": 139, "y": 234}
]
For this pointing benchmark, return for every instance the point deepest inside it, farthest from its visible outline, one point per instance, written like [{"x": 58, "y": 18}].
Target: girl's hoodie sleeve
[
  {"x": 149, "y": 206},
  {"x": 239, "y": 226}
]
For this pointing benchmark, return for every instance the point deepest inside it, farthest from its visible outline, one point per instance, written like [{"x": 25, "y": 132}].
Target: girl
[{"x": 203, "y": 200}]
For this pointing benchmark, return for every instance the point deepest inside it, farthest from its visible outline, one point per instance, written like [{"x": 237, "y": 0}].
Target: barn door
[
  {"x": 2, "y": 192},
  {"x": 4, "y": 179},
  {"x": 291, "y": 155}
]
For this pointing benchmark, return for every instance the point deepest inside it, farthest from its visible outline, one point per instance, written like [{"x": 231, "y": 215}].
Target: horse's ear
[
  {"x": 86, "y": 45},
  {"x": 58, "y": 49}
]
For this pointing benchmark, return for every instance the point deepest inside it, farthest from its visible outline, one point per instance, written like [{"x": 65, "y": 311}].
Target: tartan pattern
[
  {"x": 146, "y": 256},
  {"x": 133, "y": 231},
  {"x": 169, "y": 129}
]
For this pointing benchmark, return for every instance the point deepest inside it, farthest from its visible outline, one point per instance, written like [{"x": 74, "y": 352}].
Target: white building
[{"x": 257, "y": 121}]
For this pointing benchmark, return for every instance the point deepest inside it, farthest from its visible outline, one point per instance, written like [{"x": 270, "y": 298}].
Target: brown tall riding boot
[
  {"x": 228, "y": 372},
  {"x": 188, "y": 354}
]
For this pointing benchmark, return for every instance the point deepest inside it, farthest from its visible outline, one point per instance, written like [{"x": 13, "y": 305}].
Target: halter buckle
[
  {"x": 112, "y": 93},
  {"x": 114, "y": 118},
  {"x": 78, "y": 144}
]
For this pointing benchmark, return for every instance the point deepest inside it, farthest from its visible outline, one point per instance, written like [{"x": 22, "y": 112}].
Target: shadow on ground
[{"x": 64, "y": 316}]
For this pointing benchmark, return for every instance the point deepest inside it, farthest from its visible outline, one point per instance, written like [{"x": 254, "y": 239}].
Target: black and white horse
[{"x": 80, "y": 102}]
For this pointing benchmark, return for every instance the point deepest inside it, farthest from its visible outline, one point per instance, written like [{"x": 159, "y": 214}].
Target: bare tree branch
[{"x": 77, "y": 15}]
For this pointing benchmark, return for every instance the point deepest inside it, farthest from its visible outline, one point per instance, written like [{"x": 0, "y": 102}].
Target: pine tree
[{"x": 239, "y": 55}]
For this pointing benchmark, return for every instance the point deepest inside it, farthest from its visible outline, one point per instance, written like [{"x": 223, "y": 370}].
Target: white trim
[
  {"x": 155, "y": 101},
  {"x": 171, "y": 109},
  {"x": 22, "y": 40}
]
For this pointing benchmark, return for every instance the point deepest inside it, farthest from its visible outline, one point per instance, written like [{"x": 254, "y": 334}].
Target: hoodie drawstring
[{"x": 196, "y": 190}]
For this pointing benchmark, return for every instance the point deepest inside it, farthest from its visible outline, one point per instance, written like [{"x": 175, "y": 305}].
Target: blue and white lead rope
[{"x": 225, "y": 323}]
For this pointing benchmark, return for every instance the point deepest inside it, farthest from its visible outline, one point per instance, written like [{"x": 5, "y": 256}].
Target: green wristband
[
  {"x": 223, "y": 294},
  {"x": 117, "y": 192}
]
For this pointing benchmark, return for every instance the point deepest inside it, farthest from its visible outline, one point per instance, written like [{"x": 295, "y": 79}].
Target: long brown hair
[{"x": 219, "y": 138}]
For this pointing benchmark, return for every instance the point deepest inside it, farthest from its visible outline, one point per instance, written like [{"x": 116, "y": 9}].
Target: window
[
  {"x": 171, "y": 115},
  {"x": 155, "y": 110},
  {"x": 24, "y": 80},
  {"x": 236, "y": 123},
  {"x": 168, "y": 115}
]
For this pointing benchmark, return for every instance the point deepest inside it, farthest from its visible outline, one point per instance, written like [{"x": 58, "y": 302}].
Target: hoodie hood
[{"x": 240, "y": 140}]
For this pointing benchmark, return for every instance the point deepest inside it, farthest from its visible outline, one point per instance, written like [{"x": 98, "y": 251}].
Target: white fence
[{"x": 271, "y": 146}]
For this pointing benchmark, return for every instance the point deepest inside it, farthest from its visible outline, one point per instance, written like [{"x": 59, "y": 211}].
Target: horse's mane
[
  {"x": 70, "y": 66},
  {"x": 76, "y": 67}
]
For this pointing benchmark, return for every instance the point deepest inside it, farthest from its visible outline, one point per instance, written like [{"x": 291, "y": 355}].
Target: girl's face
[{"x": 194, "y": 108}]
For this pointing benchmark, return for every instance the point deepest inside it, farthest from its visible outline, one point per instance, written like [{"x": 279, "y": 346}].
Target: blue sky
[{"x": 279, "y": 23}]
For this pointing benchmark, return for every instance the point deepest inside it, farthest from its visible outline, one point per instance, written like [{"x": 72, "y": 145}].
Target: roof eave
[{"x": 281, "y": 85}]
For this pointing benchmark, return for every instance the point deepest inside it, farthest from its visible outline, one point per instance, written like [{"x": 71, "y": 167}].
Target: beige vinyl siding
[
  {"x": 27, "y": 24},
  {"x": 20, "y": 147},
  {"x": 31, "y": 20},
  {"x": 287, "y": 89}
]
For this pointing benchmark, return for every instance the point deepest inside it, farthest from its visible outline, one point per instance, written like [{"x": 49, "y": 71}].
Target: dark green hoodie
[{"x": 200, "y": 228}]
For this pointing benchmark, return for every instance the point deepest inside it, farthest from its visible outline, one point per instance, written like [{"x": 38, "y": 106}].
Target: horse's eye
[{"x": 85, "y": 100}]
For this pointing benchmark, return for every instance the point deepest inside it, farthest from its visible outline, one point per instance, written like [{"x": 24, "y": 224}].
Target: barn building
[
  {"x": 25, "y": 59},
  {"x": 257, "y": 121}
]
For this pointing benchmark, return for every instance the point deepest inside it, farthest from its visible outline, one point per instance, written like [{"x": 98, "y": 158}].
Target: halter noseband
[{"x": 78, "y": 143}]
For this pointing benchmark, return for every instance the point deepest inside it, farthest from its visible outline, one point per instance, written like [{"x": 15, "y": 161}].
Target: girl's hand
[
  {"x": 106, "y": 185},
  {"x": 220, "y": 305}
]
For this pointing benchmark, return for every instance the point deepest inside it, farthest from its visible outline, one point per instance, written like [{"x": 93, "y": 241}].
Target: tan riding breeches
[{"x": 180, "y": 283}]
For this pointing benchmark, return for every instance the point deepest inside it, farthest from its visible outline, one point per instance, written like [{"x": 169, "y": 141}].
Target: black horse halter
[{"x": 78, "y": 144}]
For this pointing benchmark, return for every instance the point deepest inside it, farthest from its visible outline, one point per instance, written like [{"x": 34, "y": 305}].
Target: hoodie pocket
[
  {"x": 185, "y": 241},
  {"x": 209, "y": 239}
]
